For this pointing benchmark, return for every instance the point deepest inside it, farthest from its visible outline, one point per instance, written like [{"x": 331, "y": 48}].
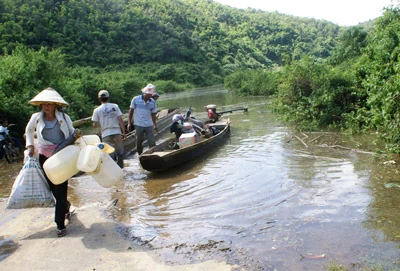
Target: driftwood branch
[
  {"x": 316, "y": 138},
  {"x": 340, "y": 147},
  {"x": 305, "y": 145},
  {"x": 324, "y": 133},
  {"x": 320, "y": 157},
  {"x": 305, "y": 136},
  {"x": 345, "y": 148},
  {"x": 334, "y": 145},
  {"x": 350, "y": 149}
]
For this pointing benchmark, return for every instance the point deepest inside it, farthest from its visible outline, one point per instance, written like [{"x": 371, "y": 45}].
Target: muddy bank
[{"x": 28, "y": 242}]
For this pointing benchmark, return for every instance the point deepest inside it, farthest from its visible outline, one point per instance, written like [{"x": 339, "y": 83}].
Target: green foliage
[
  {"x": 170, "y": 86},
  {"x": 80, "y": 47},
  {"x": 351, "y": 43},
  {"x": 117, "y": 32},
  {"x": 23, "y": 74},
  {"x": 314, "y": 95},
  {"x": 336, "y": 267},
  {"x": 356, "y": 89},
  {"x": 253, "y": 82},
  {"x": 381, "y": 79}
]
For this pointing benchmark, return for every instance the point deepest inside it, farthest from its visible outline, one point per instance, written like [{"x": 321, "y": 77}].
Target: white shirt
[
  {"x": 107, "y": 115},
  {"x": 3, "y": 133}
]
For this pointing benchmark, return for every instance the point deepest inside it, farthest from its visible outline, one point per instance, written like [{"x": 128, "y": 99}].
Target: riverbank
[{"x": 28, "y": 242}]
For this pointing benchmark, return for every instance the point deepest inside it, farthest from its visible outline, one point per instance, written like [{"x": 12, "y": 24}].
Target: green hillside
[
  {"x": 317, "y": 73},
  {"x": 116, "y": 32},
  {"x": 80, "y": 46}
]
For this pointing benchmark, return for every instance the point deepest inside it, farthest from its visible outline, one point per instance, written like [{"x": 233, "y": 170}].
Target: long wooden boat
[
  {"x": 164, "y": 118},
  {"x": 163, "y": 156}
]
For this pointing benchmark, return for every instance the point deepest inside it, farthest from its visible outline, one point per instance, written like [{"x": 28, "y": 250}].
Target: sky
[{"x": 341, "y": 12}]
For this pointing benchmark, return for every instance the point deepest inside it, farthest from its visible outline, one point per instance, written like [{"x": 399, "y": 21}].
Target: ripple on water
[{"x": 253, "y": 191}]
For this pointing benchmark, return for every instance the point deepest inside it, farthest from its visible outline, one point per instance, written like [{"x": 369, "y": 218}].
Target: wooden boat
[
  {"x": 163, "y": 156},
  {"x": 164, "y": 118}
]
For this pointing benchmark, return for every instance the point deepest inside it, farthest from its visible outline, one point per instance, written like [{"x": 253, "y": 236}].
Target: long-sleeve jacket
[{"x": 36, "y": 124}]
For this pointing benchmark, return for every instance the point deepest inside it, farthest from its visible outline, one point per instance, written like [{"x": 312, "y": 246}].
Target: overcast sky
[{"x": 341, "y": 12}]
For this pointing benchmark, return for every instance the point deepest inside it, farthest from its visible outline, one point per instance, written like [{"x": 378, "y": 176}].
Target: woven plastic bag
[{"x": 30, "y": 188}]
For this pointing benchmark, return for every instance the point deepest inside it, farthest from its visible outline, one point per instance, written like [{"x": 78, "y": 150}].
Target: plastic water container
[
  {"x": 107, "y": 148},
  {"x": 62, "y": 165},
  {"x": 89, "y": 158},
  {"x": 187, "y": 139},
  {"x": 108, "y": 173},
  {"x": 88, "y": 140}
]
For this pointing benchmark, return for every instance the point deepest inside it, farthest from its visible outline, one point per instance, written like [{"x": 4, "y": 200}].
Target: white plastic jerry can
[
  {"x": 108, "y": 173},
  {"x": 62, "y": 165},
  {"x": 89, "y": 158},
  {"x": 88, "y": 140},
  {"x": 105, "y": 147}
]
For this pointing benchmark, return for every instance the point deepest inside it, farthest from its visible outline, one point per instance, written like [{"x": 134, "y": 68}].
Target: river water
[{"x": 267, "y": 199}]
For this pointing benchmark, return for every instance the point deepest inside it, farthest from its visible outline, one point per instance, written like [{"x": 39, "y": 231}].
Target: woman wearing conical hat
[{"x": 51, "y": 127}]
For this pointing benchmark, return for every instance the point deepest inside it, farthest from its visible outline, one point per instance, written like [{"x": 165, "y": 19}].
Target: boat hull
[{"x": 163, "y": 157}]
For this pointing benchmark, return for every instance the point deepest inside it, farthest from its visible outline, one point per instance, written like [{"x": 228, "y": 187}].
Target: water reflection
[{"x": 383, "y": 212}]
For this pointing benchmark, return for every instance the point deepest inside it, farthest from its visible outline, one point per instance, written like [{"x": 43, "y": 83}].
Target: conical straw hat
[{"x": 48, "y": 95}]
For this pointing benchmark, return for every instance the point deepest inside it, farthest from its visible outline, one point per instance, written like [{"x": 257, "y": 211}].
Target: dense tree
[
  {"x": 111, "y": 32},
  {"x": 380, "y": 66},
  {"x": 356, "y": 89},
  {"x": 351, "y": 43},
  {"x": 319, "y": 73}
]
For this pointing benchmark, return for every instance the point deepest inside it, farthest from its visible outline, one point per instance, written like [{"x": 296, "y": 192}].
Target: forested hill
[
  {"x": 320, "y": 74},
  {"x": 101, "y": 33}
]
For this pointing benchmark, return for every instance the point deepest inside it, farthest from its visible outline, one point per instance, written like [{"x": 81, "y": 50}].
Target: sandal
[
  {"x": 62, "y": 232},
  {"x": 69, "y": 215}
]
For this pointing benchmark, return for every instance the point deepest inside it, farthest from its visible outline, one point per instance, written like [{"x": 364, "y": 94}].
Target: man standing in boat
[
  {"x": 143, "y": 112},
  {"x": 112, "y": 126}
]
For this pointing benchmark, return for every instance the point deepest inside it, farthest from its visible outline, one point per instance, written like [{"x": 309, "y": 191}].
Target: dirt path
[{"x": 28, "y": 242}]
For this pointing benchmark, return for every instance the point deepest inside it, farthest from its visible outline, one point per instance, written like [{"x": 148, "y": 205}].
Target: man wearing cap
[
  {"x": 109, "y": 116},
  {"x": 143, "y": 112}
]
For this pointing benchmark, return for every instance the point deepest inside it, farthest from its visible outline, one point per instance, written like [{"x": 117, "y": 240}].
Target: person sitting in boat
[
  {"x": 209, "y": 131},
  {"x": 177, "y": 125},
  {"x": 212, "y": 114},
  {"x": 188, "y": 128}
]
